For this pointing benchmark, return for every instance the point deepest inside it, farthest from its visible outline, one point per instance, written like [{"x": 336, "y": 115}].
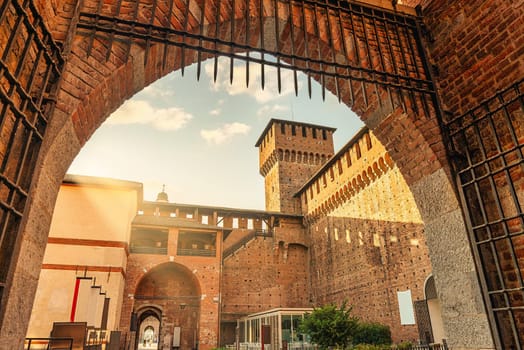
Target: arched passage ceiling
[{"x": 365, "y": 55}]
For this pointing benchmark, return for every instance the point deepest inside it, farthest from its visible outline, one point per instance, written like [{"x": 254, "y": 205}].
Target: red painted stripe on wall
[{"x": 75, "y": 300}]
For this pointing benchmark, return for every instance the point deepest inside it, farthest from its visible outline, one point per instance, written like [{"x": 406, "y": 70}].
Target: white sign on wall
[
  {"x": 176, "y": 337},
  {"x": 405, "y": 306}
]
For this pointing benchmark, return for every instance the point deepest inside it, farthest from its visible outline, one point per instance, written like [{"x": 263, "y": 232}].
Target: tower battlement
[{"x": 289, "y": 154}]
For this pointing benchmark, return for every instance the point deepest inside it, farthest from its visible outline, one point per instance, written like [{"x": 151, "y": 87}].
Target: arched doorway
[
  {"x": 148, "y": 328},
  {"x": 170, "y": 294},
  {"x": 434, "y": 310}
]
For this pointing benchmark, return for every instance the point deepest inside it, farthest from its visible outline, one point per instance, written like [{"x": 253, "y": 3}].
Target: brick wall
[
  {"x": 290, "y": 153},
  {"x": 264, "y": 275},
  {"x": 204, "y": 272},
  {"x": 475, "y": 45},
  {"x": 487, "y": 41},
  {"x": 368, "y": 236}
]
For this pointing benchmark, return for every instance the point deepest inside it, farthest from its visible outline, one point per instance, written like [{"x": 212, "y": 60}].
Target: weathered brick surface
[
  {"x": 264, "y": 275},
  {"x": 475, "y": 45},
  {"x": 368, "y": 235},
  {"x": 366, "y": 262},
  {"x": 486, "y": 39},
  {"x": 190, "y": 276},
  {"x": 289, "y": 154}
]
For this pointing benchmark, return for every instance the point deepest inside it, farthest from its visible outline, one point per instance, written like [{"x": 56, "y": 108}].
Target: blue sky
[{"x": 198, "y": 137}]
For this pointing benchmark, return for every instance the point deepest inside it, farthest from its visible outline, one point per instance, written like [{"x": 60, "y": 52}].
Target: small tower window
[
  {"x": 293, "y": 130},
  {"x": 348, "y": 158},
  {"x": 324, "y": 134},
  {"x": 304, "y": 131},
  {"x": 357, "y": 149},
  {"x": 314, "y": 133},
  {"x": 283, "y": 129}
]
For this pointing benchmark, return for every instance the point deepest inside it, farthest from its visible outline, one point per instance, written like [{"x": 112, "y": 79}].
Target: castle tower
[{"x": 289, "y": 154}]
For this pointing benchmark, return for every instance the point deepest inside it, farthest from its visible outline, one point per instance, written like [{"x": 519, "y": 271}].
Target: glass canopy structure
[{"x": 274, "y": 329}]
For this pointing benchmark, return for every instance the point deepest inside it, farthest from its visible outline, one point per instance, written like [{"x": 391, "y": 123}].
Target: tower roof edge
[{"x": 289, "y": 122}]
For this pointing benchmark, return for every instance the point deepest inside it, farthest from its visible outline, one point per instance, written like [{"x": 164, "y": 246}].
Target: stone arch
[
  {"x": 365, "y": 177},
  {"x": 167, "y": 291},
  {"x": 148, "y": 317},
  {"x": 382, "y": 164},
  {"x": 371, "y": 174},
  {"x": 280, "y": 154},
  {"x": 434, "y": 309},
  {"x": 78, "y": 115},
  {"x": 377, "y": 170}
]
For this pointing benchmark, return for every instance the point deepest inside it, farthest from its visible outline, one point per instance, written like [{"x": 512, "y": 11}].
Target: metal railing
[
  {"x": 148, "y": 250},
  {"x": 310, "y": 346},
  {"x": 53, "y": 343},
  {"x": 196, "y": 252}
]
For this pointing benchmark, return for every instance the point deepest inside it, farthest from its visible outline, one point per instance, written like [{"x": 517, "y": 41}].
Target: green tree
[{"x": 330, "y": 326}]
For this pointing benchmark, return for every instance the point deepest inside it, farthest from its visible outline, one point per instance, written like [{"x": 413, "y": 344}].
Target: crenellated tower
[{"x": 289, "y": 154}]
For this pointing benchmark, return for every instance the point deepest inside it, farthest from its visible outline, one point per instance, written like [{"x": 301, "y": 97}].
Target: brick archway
[
  {"x": 172, "y": 288},
  {"x": 93, "y": 86}
]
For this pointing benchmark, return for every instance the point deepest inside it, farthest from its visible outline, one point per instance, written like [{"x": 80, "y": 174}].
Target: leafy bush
[
  {"x": 370, "y": 347},
  {"x": 405, "y": 345},
  {"x": 372, "y": 333},
  {"x": 330, "y": 326}
]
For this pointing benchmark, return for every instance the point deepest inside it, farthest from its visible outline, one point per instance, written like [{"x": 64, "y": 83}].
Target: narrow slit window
[
  {"x": 368, "y": 142},
  {"x": 348, "y": 159}
]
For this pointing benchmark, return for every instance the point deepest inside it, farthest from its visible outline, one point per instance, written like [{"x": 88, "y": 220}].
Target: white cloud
[
  {"x": 218, "y": 109},
  {"x": 272, "y": 111},
  {"x": 225, "y": 133},
  {"x": 141, "y": 112},
  {"x": 215, "y": 111},
  {"x": 157, "y": 91},
  {"x": 254, "y": 90}
]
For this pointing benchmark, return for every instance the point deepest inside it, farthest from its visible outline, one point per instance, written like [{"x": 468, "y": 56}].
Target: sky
[{"x": 198, "y": 137}]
